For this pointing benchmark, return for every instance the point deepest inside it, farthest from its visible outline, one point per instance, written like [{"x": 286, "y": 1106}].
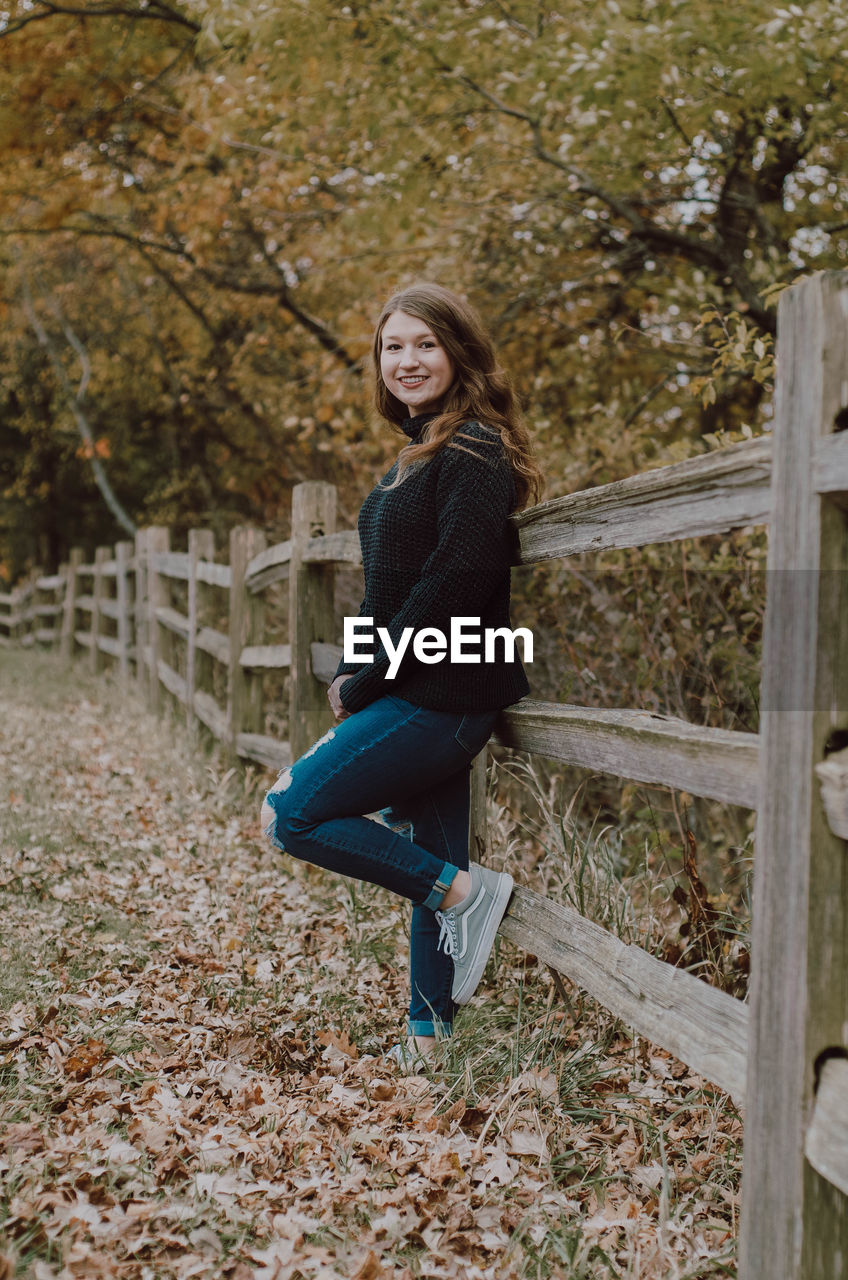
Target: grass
[{"x": 634, "y": 882}]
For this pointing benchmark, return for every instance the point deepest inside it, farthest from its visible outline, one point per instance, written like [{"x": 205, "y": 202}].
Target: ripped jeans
[{"x": 412, "y": 766}]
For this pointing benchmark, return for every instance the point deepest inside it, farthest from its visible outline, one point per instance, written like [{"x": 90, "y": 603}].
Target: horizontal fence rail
[
  {"x": 703, "y": 1027},
  {"x": 642, "y": 746},
  {"x": 729, "y": 489}
]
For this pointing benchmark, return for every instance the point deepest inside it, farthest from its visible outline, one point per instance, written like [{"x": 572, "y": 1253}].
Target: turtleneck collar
[{"x": 414, "y": 426}]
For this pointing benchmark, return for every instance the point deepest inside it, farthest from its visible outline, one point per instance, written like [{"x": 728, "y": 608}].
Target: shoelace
[{"x": 447, "y": 933}]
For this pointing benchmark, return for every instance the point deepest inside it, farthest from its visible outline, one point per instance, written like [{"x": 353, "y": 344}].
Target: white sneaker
[
  {"x": 409, "y": 1059},
  {"x": 467, "y": 931}
]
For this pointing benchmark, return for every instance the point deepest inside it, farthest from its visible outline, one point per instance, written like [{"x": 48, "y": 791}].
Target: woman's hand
[{"x": 335, "y": 701}]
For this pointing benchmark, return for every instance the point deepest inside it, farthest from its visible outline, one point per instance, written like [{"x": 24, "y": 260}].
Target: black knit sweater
[{"x": 438, "y": 546}]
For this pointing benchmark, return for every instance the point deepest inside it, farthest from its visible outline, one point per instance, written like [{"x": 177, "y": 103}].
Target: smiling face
[{"x": 414, "y": 365}]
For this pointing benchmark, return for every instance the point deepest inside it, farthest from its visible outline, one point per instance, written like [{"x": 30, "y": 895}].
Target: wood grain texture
[
  {"x": 213, "y": 575},
  {"x": 334, "y": 548},
  {"x": 215, "y": 643},
  {"x": 272, "y": 752},
  {"x": 830, "y": 466},
  {"x": 156, "y": 543},
  {"x": 98, "y": 593},
  {"x": 123, "y": 555},
  {"x": 246, "y": 624},
  {"x": 69, "y": 625},
  {"x": 201, "y": 548},
  {"x": 266, "y": 657},
  {"x": 141, "y": 616},
  {"x": 52, "y": 582},
  {"x": 794, "y": 1224},
  {"x": 270, "y": 565},
  {"x": 311, "y": 613},
  {"x": 171, "y": 564},
  {"x": 173, "y": 681},
  {"x": 478, "y": 817},
  {"x": 214, "y": 717},
  {"x": 705, "y": 1028},
  {"x": 110, "y": 645},
  {"x": 718, "y": 763},
  {"x": 719, "y": 491},
  {"x": 172, "y": 620}
]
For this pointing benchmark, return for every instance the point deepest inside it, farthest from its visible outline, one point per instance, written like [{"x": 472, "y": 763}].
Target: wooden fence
[{"x": 784, "y": 1054}]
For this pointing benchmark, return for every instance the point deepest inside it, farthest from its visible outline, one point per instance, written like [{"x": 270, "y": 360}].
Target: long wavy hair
[{"x": 481, "y": 390}]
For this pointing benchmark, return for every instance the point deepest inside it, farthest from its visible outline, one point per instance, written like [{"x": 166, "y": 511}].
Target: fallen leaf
[
  {"x": 369, "y": 1268},
  {"x": 82, "y": 1060}
]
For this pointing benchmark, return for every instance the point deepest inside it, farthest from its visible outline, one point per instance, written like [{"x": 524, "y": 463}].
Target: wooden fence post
[
  {"x": 101, "y": 555},
  {"x": 311, "y": 613},
  {"x": 244, "y": 689},
  {"x": 478, "y": 823},
  {"x": 794, "y": 1222},
  {"x": 158, "y": 539},
  {"x": 201, "y": 546},
  {"x": 140, "y": 617},
  {"x": 14, "y": 615},
  {"x": 25, "y": 628},
  {"x": 64, "y": 574},
  {"x": 69, "y": 612},
  {"x": 39, "y": 605},
  {"x": 38, "y": 572},
  {"x": 123, "y": 553}
]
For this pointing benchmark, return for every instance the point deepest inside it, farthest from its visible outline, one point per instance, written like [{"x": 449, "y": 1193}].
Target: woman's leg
[
  {"x": 437, "y": 820},
  {"x": 379, "y": 757}
]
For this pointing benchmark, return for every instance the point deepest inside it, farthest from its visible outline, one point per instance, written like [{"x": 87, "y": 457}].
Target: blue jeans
[{"x": 412, "y": 766}]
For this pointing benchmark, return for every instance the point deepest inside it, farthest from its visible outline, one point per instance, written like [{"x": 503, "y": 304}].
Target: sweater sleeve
[{"x": 474, "y": 496}]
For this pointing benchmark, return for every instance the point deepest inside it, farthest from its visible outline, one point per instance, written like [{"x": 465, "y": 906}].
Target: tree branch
[
  {"x": 327, "y": 340},
  {"x": 220, "y": 280},
  {"x": 74, "y": 402},
  {"x": 156, "y": 9},
  {"x": 642, "y": 228}
]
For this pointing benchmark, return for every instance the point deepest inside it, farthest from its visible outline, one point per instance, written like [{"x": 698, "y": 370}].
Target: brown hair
[{"x": 481, "y": 391}]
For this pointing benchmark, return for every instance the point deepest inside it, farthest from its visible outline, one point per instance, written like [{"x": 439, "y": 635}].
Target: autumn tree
[{"x": 220, "y": 197}]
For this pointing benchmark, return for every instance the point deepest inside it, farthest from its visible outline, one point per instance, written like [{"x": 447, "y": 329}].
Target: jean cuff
[
  {"x": 447, "y": 875},
  {"x": 441, "y": 1030}
]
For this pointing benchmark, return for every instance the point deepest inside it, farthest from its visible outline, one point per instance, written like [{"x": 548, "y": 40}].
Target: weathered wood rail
[{"x": 785, "y": 1053}]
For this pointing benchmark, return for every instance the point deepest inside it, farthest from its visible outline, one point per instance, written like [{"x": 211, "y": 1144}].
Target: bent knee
[
  {"x": 267, "y": 817},
  {"x": 273, "y": 812},
  {"x": 280, "y": 816}
]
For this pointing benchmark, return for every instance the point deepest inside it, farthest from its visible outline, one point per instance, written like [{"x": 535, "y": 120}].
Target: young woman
[{"x": 436, "y": 546}]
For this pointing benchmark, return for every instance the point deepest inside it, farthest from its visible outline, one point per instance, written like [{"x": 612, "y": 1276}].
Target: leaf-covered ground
[{"x": 191, "y": 1081}]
